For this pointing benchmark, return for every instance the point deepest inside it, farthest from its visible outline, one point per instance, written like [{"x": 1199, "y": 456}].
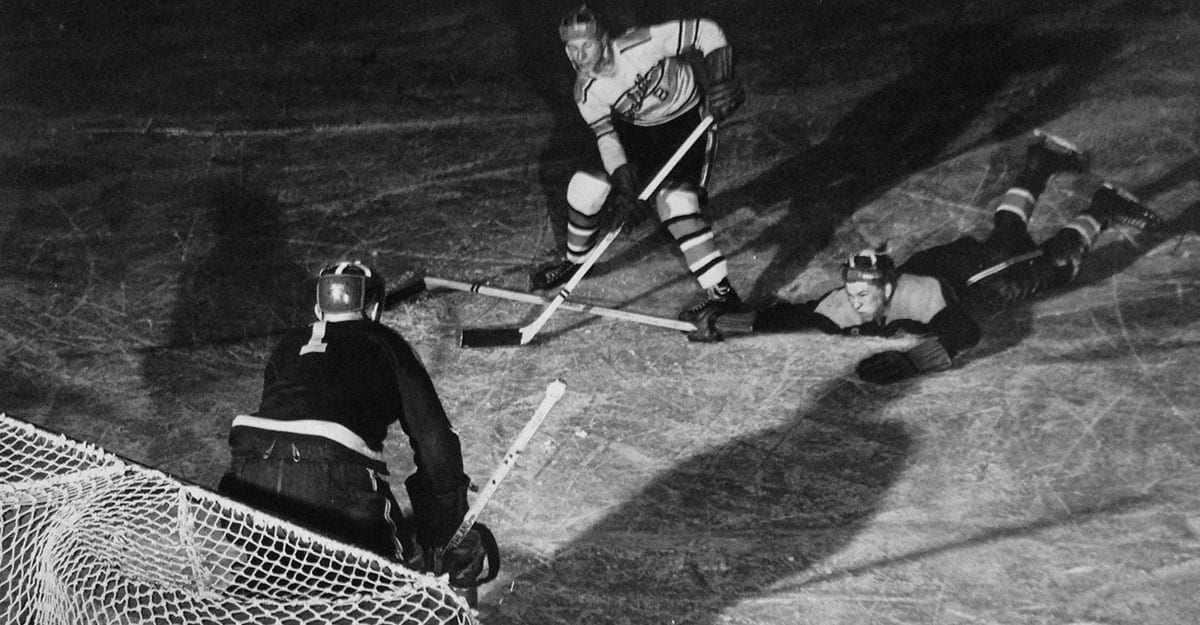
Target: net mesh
[{"x": 86, "y": 537}]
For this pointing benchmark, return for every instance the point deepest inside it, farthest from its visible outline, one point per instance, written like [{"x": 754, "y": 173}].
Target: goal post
[{"x": 89, "y": 537}]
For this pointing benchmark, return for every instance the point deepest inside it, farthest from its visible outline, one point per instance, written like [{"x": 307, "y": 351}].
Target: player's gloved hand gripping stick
[{"x": 500, "y": 337}]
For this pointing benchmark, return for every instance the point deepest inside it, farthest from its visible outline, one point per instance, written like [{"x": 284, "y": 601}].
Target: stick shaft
[
  {"x": 554, "y": 392},
  {"x": 529, "y": 331},
  {"x": 530, "y": 298},
  {"x": 1001, "y": 266}
]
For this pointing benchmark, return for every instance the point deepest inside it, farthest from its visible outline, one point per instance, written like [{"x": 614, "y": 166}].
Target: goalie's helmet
[
  {"x": 581, "y": 23},
  {"x": 870, "y": 265},
  {"x": 348, "y": 287}
]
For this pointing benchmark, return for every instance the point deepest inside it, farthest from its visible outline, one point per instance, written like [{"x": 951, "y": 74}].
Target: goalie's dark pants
[{"x": 319, "y": 485}]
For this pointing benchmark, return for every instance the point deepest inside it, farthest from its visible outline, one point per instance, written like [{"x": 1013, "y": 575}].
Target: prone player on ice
[{"x": 925, "y": 295}]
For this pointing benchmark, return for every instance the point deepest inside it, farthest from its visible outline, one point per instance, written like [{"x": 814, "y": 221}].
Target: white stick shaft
[
  {"x": 529, "y": 331},
  {"x": 665, "y": 170},
  {"x": 554, "y": 392},
  {"x": 1001, "y": 266},
  {"x": 530, "y": 298}
]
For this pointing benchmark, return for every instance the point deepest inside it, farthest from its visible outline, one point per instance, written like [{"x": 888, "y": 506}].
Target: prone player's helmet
[
  {"x": 348, "y": 287},
  {"x": 581, "y": 23},
  {"x": 870, "y": 265}
]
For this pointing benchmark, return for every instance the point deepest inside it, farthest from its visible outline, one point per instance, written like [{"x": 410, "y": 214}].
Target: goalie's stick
[
  {"x": 1001, "y": 266},
  {"x": 554, "y": 392},
  {"x": 495, "y": 337},
  {"x": 530, "y": 298}
]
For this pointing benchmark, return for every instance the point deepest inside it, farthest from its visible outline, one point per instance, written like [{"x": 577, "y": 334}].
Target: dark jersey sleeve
[
  {"x": 437, "y": 452},
  {"x": 786, "y": 317}
]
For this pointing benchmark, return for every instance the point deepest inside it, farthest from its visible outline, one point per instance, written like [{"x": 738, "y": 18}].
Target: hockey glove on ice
[
  {"x": 622, "y": 205},
  {"x": 894, "y": 366},
  {"x": 723, "y": 94}
]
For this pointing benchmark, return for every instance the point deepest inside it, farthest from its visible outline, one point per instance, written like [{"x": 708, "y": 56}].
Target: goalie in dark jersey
[
  {"x": 925, "y": 295},
  {"x": 641, "y": 96},
  {"x": 313, "y": 452}
]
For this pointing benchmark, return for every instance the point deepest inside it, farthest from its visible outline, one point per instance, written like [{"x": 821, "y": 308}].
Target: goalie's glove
[
  {"x": 464, "y": 562},
  {"x": 723, "y": 93},
  {"x": 894, "y": 366},
  {"x": 622, "y": 207}
]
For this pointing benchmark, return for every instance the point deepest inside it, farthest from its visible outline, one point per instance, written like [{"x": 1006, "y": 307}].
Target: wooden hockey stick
[
  {"x": 484, "y": 337},
  {"x": 554, "y": 392},
  {"x": 1001, "y": 266},
  {"x": 530, "y": 298}
]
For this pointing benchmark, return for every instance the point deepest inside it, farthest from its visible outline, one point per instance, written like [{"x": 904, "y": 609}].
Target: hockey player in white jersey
[{"x": 642, "y": 93}]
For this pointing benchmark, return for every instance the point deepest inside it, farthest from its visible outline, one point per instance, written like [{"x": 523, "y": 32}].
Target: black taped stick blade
[{"x": 490, "y": 337}]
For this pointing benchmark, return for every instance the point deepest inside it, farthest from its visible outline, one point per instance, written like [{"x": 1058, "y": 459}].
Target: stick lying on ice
[{"x": 432, "y": 283}]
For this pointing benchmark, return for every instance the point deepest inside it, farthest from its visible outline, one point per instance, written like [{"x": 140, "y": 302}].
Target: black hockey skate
[
  {"x": 1112, "y": 205},
  {"x": 552, "y": 275},
  {"x": 719, "y": 300}
]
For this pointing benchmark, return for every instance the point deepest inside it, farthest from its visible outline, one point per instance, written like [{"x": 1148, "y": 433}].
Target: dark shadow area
[
  {"x": 246, "y": 285},
  {"x": 546, "y": 72},
  {"x": 726, "y": 523}
]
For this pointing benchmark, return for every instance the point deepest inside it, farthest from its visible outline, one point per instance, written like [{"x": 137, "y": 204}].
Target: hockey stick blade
[
  {"x": 526, "y": 333},
  {"x": 489, "y": 337}
]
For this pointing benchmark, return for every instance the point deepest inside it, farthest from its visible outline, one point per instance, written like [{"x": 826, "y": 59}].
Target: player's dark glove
[
  {"x": 893, "y": 366},
  {"x": 464, "y": 562},
  {"x": 723, "y": 93},
  {"x": 723, "y": 99},
  {"x": 886, "y": 367},
  {"x": 622, "y": 205}
]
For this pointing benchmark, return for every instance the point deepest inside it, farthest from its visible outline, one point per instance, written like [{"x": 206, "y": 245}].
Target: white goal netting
[{"x": 86, "y": 537}]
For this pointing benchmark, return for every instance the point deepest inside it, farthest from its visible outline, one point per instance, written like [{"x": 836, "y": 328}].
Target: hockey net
[{"x": 87, "y": 537}]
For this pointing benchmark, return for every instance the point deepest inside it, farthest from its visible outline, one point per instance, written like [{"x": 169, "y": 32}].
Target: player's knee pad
[
  {"x": 586, "y": 192},
  {"x": 673, "y": 202}
]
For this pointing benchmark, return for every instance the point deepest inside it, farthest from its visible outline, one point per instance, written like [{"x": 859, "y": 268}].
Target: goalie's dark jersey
[
  {"x": 363, "y": 376},
  {"x": 920, "y": 305}
]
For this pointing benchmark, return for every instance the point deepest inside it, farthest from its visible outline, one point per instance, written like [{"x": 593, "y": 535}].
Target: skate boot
[
  {"x": 1052, "y": 154},
  {"x": 552, "y": 275},
  {"x": 1111, "y": 205},
  {"x": 719, "y": 299}
]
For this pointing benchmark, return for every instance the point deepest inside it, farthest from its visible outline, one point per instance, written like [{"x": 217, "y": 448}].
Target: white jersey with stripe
[{"x": 645, "y": 82}]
